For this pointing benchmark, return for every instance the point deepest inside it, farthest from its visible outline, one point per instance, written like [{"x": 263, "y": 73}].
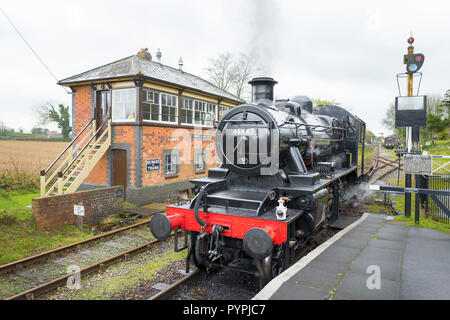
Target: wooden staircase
[{"x": 76, "y": 162}]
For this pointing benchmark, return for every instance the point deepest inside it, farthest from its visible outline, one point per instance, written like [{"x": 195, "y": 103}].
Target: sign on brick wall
[
  {"x": 78, "y": 210},
  {"x": 153, "y": 164}
]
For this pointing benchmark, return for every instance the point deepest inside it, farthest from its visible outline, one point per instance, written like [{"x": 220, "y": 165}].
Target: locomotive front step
[{"x": 233, "y": 198}]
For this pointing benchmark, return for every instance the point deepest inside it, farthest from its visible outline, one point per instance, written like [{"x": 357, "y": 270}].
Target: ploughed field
[{"x": 28, "y": 156}]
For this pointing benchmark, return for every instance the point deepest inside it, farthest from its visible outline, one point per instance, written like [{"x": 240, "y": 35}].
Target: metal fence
[{"x": 438, "y": 182}]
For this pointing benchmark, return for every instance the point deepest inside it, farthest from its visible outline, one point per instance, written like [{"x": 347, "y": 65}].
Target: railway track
[
  {"x": 224, "y": 284},
  {"x": 379, "y": 164},
  {"x": 19, "y": 268},
  {"x": 36, "y": 275}
]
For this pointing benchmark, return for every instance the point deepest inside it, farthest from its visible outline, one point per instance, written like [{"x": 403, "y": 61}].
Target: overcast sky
[{"x": 346, "y": 51}]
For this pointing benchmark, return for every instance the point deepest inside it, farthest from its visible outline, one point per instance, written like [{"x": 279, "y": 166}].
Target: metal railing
[{"x": 432, "y": 208}]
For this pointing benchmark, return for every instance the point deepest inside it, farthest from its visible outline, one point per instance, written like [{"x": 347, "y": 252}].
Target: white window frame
[
  {"x": 190, "y": 108},
  {"x": 174, "y": 165},
  {"x": 204, "y": 109},
  {"x": 202, "y": 153},
  {"x": 222, "y": 110},
  {"x": 173, "y": 98},
  {"x": 134, "y": 104}
]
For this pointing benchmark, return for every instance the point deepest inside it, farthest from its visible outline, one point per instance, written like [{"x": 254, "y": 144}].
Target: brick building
[{"x": 160, "y": 121}]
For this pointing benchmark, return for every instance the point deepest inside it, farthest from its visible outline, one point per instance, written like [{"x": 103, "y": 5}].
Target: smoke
[
  {"x": 357, "y": 194},
  {"x": 263, "y": 26}
]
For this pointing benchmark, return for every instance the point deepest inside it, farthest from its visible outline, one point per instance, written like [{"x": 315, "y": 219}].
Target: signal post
[{"x": 410, "y": 112}]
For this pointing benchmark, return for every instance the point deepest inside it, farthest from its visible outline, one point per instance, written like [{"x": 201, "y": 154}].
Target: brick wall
[
  {"x": 152, "y": 140},
  {"x": 57, "y": 211},
  {"x": 83, "y": 105},
  {"x": 157, "y": 139}
]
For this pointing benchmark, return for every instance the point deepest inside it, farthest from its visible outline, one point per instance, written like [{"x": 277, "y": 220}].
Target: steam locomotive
[{"x": 284, "y": 167}]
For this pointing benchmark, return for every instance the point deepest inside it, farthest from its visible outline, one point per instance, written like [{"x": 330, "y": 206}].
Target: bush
[
  {"x": 6, "y": 218},
  {"x": 18, "y": 181}
]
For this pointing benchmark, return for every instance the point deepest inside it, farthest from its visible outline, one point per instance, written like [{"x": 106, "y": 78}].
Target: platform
[{"x": 412, "y": 263}]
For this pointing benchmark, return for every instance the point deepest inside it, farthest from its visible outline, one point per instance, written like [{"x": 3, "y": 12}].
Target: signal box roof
[{"x": 135, "y": 66}]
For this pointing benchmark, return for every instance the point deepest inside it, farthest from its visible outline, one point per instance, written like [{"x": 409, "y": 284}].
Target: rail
[
  {"x": 99, "y": 266},
  {"x": 48, "y": 254}
]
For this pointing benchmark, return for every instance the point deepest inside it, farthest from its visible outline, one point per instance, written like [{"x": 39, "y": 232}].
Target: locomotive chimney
[{"x": 262, "y": 89}]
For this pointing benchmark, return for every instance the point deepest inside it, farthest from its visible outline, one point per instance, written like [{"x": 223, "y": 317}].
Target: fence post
[
  {"x": 94, "y": 124},
  {"x": 417, "y": 201},
  {"x": 408, "y": 196},
  {"x": 60, "y": 182},
  {"x": 42, "y": 183}
]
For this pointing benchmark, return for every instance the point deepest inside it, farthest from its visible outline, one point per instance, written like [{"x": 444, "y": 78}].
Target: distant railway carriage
[{"x": 391, "y": 142}]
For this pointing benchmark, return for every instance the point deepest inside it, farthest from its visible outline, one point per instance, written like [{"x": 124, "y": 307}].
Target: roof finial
[
  {"x": 158, "y": 55},
  {"x": 180, "y": 64}
]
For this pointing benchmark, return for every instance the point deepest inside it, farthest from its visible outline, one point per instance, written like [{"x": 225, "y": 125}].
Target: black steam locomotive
[{"x": 284, "y": 168}]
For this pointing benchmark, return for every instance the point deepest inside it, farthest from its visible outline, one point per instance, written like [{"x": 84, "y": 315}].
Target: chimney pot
[
  {"x": 145, "y": 54},
  {"x": 180, "y": 64}
]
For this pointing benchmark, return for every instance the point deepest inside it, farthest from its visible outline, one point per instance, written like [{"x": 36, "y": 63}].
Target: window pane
[
  {"x": 186, "y": 109},
  {"x": 155, "y": 112},
  {"x": 199, "y": 159},
  {"x": 165, "y": 113},
  {"x": 173, "y": 112},
  {"x": 170, "y": 164},
  {"x": 124, "y": 104},
  {"x": 146, "y": 111}
]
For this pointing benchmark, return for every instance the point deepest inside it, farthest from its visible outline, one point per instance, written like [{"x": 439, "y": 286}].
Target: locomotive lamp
[{"x": 281, "y": 210}]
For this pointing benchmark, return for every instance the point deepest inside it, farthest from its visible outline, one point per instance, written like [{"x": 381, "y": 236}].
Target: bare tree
[
  {"x": 220, "y": 71},
  {"x": 232, "y": 74},
  {"x": 244, "y": 69}
]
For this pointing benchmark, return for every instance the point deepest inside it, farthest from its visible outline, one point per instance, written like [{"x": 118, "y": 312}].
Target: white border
[{"x": 267, "y": 292}]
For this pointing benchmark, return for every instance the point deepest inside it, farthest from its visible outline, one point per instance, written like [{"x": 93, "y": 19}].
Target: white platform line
[{"x": 267, "y": 292}]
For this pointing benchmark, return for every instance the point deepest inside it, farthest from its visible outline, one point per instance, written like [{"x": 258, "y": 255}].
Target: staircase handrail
[
  {"x": 44, "y": 171},
  {"x": 61, "y": 173}
]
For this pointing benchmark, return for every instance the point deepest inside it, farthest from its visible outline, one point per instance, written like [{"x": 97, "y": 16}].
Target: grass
[
  {"x": 440, "y": 148},
  {"x": 127, "y": 275},
  {"x": 19, "y": 237},
  {"x": 425, "y": 221},
  {"x": 16, "y": 199},
  {"x": 22, "y": 239}
]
